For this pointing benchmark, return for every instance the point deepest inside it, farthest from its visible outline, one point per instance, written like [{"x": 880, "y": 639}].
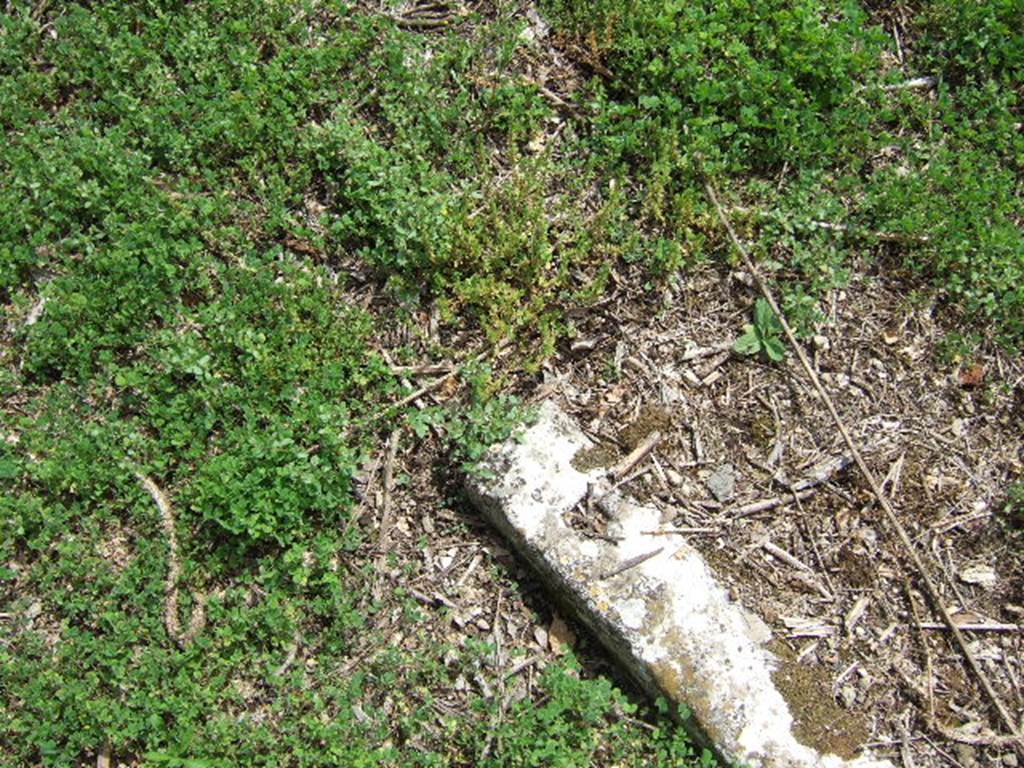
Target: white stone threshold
[{"x": 650, "y": 599}]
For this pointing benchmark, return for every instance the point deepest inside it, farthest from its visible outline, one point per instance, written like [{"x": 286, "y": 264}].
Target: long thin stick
[
  {"x": 171, "y": 620},
  {"x": 389, "y": 485},
  {"x": 929, "y": 673},
  {"x": 980, "y": 626},
  {"x": 633, "y": 562},
  {"x": 424, "y": 390},
  {"x": 766, "y": 504},
  {"x": 869, "y": 476}
]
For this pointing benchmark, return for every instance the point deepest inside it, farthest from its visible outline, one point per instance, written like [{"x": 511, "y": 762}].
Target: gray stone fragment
[
  {"x": 722, "y": 483},
  {"x": 966, "y": 755},
  {"x": 652, "y": 601}
]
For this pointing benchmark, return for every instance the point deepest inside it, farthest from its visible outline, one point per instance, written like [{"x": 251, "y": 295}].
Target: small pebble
[
  {"x": 849, "y": 695},
  {"x": 965, "y": 755},
  {"x": 722, "y": 483}
]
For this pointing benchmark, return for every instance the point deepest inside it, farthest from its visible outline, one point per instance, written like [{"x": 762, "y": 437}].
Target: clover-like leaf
[
  {"x": 775, "y": 349},
  {"x": 749, "y": 343},
  {"x": 765, "y": 319}
]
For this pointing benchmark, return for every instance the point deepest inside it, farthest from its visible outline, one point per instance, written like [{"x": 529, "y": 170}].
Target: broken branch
[
  {"x": 632, "y": 562},
  {"x": 171, "y": 620},
  {"x": 766, "y": 504},
  {"x": 636, "y": 455}
]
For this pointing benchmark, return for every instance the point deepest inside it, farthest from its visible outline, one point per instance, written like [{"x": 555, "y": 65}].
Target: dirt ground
[{"x": 866, "y": 660}]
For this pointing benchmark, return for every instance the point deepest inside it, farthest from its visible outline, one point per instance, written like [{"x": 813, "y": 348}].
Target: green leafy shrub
[
  {"x": 753, "y": 83},
  {"x": 972, "y": 41},
  {"x": 581, "y": 722},
  {"x": 780, "y": 103},
  {"x": 763, "y": 336},
  {"x": 188, "y": 187},
  {"x": 959, "y": 212}
]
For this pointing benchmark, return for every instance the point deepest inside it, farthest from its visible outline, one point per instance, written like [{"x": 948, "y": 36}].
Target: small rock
[
  {"x": 979, "y": 575},
  {"x": 722, "y": 483},
  {"x": 560, "y": 637},
  {"x": 849, "y": 695},
  {"x": 33, "y": 611},
  {"x": 1010, "y": 760},
  {"x": 743, "y": 277},
  {"x": 822, "y": 342},
  {"x": 538, "y": 26},
  {"x": 536, "y": 144},
  {"x": 540, "y": 636},
  {"x": 36, "y": 312},
  {"x": 965, "y": 755}
]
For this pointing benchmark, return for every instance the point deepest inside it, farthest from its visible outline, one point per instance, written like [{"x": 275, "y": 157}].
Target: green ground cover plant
[
  {"x": 797, "y": 109},
  {"x": 187, "y": 188}
]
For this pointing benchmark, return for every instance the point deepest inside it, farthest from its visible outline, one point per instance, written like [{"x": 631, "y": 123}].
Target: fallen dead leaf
[
  {"x": 449, "y": 388},
  {"x": 972, "y": 376},
  {"x": 560, "y": 637},
  {"x": 800, "y": 627}
]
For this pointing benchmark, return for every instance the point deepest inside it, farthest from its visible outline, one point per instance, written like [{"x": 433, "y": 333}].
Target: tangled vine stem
[
  {"x": 876, "y": 489},
  {"x": 171, "y": 620}
]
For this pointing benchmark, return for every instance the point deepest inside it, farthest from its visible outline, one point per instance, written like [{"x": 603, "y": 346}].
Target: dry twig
[
  {"x": 636, "y": 455},
  {"x": 929, "y": 673},
  {"x": 679, "y": 531},
  {"x": 427, "y": 369},
  {"x": 434, "y": 385},
  {"x": 926, "y": 83},
  {"x": 975, "y": 626},
  {"x": 424, "y": 390},
  {"x": 388, "y": 486},
  {"x": 696, "y": 353},
  {"x": 766, "y": 504},
  {"x": 524, "y": 664},
  {"x": 293, "y": 651},
  {"x": 171, "y": 619},
  {"x": 632, "y": 562}
]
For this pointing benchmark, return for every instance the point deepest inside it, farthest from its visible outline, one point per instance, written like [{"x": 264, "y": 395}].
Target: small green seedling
[{"x": 765, "y": 335}]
